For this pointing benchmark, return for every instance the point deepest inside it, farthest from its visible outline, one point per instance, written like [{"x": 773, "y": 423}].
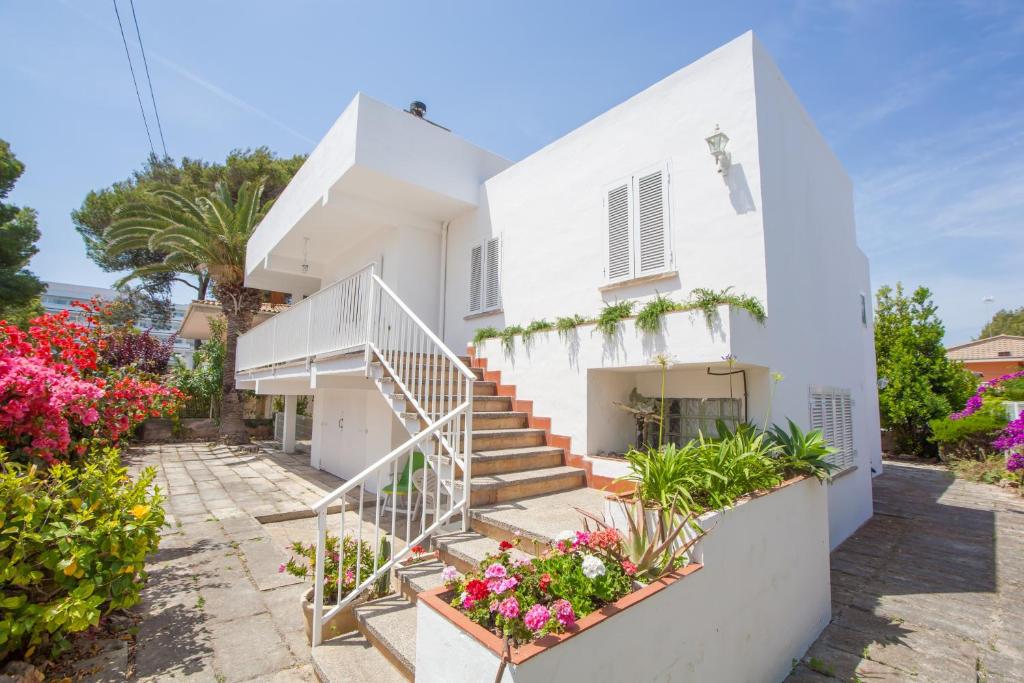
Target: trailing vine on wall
[{"x": 648, "y": 320}]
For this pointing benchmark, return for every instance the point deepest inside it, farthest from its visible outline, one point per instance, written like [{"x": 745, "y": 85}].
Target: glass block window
[{"x": 686, "y": 418}]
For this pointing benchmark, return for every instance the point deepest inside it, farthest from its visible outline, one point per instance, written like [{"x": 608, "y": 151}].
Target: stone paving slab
[{"x": 929, "y": 589}]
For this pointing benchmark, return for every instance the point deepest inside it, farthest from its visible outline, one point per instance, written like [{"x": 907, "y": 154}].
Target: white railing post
[
  {"x": 370, "y": 290},
  {"x": 467, "y": 455},
  {"x": 318, "y": 581}
]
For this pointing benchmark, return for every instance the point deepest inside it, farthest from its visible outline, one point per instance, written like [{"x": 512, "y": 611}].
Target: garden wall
[{"x": 759, "y": 602}]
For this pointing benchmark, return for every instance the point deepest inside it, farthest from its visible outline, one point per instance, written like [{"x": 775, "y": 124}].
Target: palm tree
[{"x": 206, "y": 235}]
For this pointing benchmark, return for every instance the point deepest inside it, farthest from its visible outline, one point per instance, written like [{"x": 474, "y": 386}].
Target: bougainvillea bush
[
  {"x": 73, "y": 545},
  {"x": 522, "y": 599},
  {"x": 58, "y": 396},
  {"x": 1008, "y": 387}
]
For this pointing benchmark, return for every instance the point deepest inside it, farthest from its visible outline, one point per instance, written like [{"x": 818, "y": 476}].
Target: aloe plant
[{"x": 803, "y": 452}]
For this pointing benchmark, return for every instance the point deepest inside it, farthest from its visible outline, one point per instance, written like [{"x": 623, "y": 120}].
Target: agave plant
[
  {"x": 803, "y": 452},
  {"x": 655, "y": 543}
]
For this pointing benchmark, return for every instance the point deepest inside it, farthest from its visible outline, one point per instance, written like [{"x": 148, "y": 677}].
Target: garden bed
[{"x": 762, "y": 589}]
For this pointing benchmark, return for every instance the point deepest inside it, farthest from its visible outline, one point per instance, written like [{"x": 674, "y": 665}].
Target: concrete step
[
  {"x": 499, "y": 419},
  {"x": 416, "y": 578},
  {"x": 504, "y": 460},
  {"x": 390, "y": 624},
  {"x": 494, "y": 439},
  {"x": 353, "y": 659},
  {"x": 537, "y": 521},
  {"x": 481, "y": 404},
  {"x": 465, "y": 550},
  {"x": 509, "y": 486}
]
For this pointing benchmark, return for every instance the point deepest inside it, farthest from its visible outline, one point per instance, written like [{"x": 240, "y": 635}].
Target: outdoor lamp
[{"x": 716, "y": 144}]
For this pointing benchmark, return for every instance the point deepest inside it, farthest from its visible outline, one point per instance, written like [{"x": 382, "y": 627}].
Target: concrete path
[
  {"x": 215, "y": 607},
  {"x": 930, "y": 589}
]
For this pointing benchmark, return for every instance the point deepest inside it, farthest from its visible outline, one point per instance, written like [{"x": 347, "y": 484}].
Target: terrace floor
[{"x": 929, "y": 590}]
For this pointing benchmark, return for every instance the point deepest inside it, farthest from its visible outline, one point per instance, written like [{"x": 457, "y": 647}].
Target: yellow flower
[
  {"x": 71, "y": 568},
  {"x": 140, "y": 511}
]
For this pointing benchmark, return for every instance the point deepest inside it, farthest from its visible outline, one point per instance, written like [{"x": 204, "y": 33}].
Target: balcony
[{"x": 330, "y": 322}]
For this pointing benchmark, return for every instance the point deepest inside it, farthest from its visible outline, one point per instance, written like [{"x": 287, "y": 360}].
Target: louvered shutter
[
  {"x": 492, "y": 275},
  {"x": 476, "y": 278},
  {"x": 831, "y": 411},
  {"x": 652, "y": 223},
  {"x": 620, "y": 247}
]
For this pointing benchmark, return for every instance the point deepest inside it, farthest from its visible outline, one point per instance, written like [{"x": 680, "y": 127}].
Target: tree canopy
[
  {"x": 192, "y": 178},
  {"x": 1005, "y": 321},
  {"x": 917, "y": 382},
  {"x": 19, "y": 288}
]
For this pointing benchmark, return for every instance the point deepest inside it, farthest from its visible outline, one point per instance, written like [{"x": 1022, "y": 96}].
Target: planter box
[
  {"x": 758, "y": 601},
  {"x": 341, "y": 623}
]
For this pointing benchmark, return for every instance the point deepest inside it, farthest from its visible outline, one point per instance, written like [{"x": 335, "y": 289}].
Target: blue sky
[{"x": 922, "y": 101}]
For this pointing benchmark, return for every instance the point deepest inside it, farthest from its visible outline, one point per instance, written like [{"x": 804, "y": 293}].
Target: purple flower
[
  {"x": 504, "y": 585},
  {"x": 536, "y": 617},
  {"x": 496, "y": 571},
  {"x": 1015, "y": 462},
  {"x": 449, "y": 574}
]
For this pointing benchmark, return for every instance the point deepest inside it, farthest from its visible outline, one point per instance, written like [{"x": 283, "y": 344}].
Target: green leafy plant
[
  {"x": 485, "y": 333},
  {"x": 565, "y": 325},
  {"x": 970, "y": 436},
  {"x": 989, "y": 470},
  {"x": 508, "y": 337},
  {"x": 339, "y": 562},
  {"x": 649, "y": 318},
  {"x": 708, "y": 301},
  {"x": 802, "y": 452},
  {"x": 536, "y": 326},
  {"x": 73, "y": 547},
  {"x": 611, "y": 315},
  {"x": 383, "y": 584}
]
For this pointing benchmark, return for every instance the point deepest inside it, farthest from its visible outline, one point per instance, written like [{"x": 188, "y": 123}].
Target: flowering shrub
[
  {"x": 344, "y": 564},
  {"x": 73, "y": 543},
  {"x": 524, "y": 599},
  {"x": 1012, "y": 436},
  {"x": 57, "y": 396}
]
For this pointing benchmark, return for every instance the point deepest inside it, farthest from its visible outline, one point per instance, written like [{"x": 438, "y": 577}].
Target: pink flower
[
  {"x": 493, "y": 606},
  {"x": 350, "y": 576},
  {"x": 467, "y": 602},
  {"x": 496, "y": 571},
  {"x": 563, "y": 610},
  {"x": 509, "y": 608},
  {"x": 536, "y": 617},
  {"x": 281, "y": 568},
  {"x": 449, "y": 574},
  {"x": 628, "y": 567},
  {"x": 503, "y": 585},
  {"x": 582, "y": 539}
]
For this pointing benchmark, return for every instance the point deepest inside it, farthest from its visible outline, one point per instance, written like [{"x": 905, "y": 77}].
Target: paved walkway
[{"x": 930, "y": 589}]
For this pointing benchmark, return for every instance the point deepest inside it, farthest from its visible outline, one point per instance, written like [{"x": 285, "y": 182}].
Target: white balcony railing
[{"x": 332, "y": 320}]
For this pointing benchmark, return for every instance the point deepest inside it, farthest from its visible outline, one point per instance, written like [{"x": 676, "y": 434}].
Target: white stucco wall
[
  {"x": 759, "y": 602},
  {"x": 352, "y": 429},
  {"x": 816, "y": 274},
  {"x": 549, "y": 211}
]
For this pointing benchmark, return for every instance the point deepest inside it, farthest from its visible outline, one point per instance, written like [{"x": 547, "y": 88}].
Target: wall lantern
[
  {"x": 717, "y": 142},
  {"x": 305, "y": 255}
]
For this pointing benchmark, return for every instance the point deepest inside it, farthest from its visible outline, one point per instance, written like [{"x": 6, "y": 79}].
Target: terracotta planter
[{"x": 341, "y": 623}]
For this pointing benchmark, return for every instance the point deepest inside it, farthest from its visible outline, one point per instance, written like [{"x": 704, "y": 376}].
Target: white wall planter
[{"x": 759, "y": 600}]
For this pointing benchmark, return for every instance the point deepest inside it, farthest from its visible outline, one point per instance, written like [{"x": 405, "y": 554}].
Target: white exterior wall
[
  {"x": 816, "y": 274},
  {"x": 549, "y": 210},
  {"x": 759, "y": 602},
  {"x": 352, "y": 429}
]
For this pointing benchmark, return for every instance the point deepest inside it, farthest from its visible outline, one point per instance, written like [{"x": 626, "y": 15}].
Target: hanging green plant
[
  {"x": 708, "y": 301},
  {"x": 567, "y": 324},
  {"x": 611, "y": 315},
  {"x": 485, "y": 333},
  {"x": 649, "y": 318},
  {"x": 508, "y": 337},
  {"x": 536, "y": 326}
]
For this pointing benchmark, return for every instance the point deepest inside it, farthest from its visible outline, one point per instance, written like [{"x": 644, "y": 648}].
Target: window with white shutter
[
  {"x": 831, "y": 411},
  {"x": 637, "y": 222},
  {"x": 485, "y": 276}
]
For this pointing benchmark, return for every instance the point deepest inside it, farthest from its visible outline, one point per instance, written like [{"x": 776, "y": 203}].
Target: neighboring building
[
  {"x": 195, "y": 322},
  {"x": 409, "y": 238},
  {"x": 990, "y": 357},
  {"x": 59, "y": 296}
]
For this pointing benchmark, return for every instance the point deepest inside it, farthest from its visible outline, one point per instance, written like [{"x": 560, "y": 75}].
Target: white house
[{"x": 407, "y": 239}]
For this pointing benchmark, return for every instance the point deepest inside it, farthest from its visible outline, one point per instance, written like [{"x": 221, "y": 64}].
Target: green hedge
[
  {"x": 969, "y": 437},
  {"x": 73, "y": 546}
]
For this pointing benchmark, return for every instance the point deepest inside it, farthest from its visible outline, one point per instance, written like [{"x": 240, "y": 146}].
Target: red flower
[
  {"x": 477, "y": 590},
  {"x": 545, "y": 581},
  {"x": 417, "y": 550},
  {"x": 505, "y": 545}
]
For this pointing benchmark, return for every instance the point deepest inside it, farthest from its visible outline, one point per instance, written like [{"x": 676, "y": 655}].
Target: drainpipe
[{"x": 444, "y": 279}]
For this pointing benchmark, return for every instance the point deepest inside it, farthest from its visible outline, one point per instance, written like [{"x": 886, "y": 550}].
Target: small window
[
  {"x": 485, "y": 276},
  {"x": 864, "y": 309},
  {"x": 637, "y": 225},
  {"x": 1004, "y": 354},
  {"x": 831, "y": 411}
]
